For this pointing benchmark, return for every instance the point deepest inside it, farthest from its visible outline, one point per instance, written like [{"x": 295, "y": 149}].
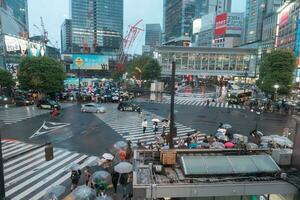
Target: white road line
[
  {"x": 47, "y": 179},
  {"x": 46, "y": 171},
  {"x": 23, "y": 169},
  {"x": 58, "y": 182},
  {"x": 23, "y": 157},
  {"x": 18, "y": 150},
  {"x": 32, "y": 158},
  {"x": 17, "y": 146},
  {"x": 9, "y": 145}
]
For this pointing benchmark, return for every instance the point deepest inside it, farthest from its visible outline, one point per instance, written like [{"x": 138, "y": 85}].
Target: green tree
[
  {"x": 44, "y": 74},
  {"x": 144, "y": 67},
  {"x": 6, "y": 81},
  {"x": 277, "y": 68}
]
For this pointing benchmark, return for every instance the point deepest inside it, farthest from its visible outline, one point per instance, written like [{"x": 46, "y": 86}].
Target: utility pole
[
  {"x": 79, "y": 86},
  {"x": 172, "y": 118},
  {"x": 2, "y": 185}
]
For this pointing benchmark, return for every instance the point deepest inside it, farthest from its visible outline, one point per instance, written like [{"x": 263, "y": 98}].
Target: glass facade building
[
  {"x": 97, "y": 25},
  {"x": 209, "y": 61},
  {"x": 18, "y": 9},
  {"x": 153, "y": 35}
]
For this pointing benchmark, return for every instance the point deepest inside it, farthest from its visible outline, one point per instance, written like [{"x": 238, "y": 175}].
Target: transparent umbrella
[
  {"x": 217, "y": 145},
  {"x": 54, "y": 192},
  {"x": 83, "y": 193},
  {"x": 104, "y": 198},
  {"x": 120, "y": 145},
  {"x": 123, "y": 168},
  {"x": 226, "y": 126},
  {"x": 101, "y": 177},
  {"x": 73, "y": 167}
]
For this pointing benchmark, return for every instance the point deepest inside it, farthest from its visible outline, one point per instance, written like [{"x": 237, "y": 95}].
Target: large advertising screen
[
  {"x": 90, "y": 62},
  {"x": 221, "y": 21},
  {"x": 234, "y": 23}
]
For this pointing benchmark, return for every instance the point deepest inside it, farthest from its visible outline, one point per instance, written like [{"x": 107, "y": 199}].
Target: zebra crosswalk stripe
[
  {"x": 29, "y": 176},
  {"x": 129, "y": 126},
  {"x": 199, "y": 102}
]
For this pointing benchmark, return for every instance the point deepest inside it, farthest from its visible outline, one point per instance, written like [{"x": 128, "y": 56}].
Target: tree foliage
[
  {"x": 145, "y": 67},
  {"x": 43, "y": 74},
  {"x": 6, "y": 81},
  {"x": 277, "y": 68}
]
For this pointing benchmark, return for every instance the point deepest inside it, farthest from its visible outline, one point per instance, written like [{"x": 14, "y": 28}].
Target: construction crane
[
  {"x": 127, "y": 43},
  {"x": 43, "y": 31}
]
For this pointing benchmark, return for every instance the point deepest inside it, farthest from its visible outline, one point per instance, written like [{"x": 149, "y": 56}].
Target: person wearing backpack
[{"x": 75, "y": 177}]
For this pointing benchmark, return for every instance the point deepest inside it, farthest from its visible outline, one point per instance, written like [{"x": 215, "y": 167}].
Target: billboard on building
[
  {"x": 234, "y": 23},
  {"x": 91, "y": 62},
  {"x": 229, "y": 23},
  {"x": 221, "y": 21},
  {"x": 24, "y": 47},
  {"x": 283, "y": 15}
]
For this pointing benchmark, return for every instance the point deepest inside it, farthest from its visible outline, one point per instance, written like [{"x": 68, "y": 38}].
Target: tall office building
[
  {"x": 179, "y": 15},
  {"x": 66, "y": 36},
  {"x": 254, "y": 19},
  {"x": 153, "y": 35},
  {"x": 219, "y": 6},
  {"x": 152, "y": 38},
  {"x": 97, "y": 25},
  {"x": 178, "y": 21},
  {"x": 14, "y": 17}
]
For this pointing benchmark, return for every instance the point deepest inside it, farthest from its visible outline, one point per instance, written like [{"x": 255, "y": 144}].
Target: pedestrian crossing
[
  {"x": 29, "y": 176},
  {"x": 199, "y": 102},
  {"x": 129, "y": 125},
  {"x": 17, "y": 114}
]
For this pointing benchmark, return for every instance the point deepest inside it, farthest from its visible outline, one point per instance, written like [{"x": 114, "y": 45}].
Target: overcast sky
[{"x": 55, "y": 11}]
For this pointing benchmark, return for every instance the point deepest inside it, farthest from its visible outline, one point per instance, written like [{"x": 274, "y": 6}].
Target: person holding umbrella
[
  {"x": 115, "y": 179},
  {"x": 87, "y": 175},
  {"x": 75, "y": 177},
  {"x": 124, "y": 183}
]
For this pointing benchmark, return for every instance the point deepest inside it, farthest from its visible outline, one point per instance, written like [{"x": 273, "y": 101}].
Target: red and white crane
[{"x": 127, "y": 43}]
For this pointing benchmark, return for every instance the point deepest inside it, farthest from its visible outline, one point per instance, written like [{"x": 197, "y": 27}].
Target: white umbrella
[
  {"x": 108, "y": 156},
  {"x": 123, "y": 168},
  {"x": 93, "y": 161},
  {"x": 155, "y": 120}
]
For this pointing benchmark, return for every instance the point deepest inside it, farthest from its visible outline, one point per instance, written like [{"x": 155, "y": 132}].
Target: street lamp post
[
  {"x": 172, "y": 117},
  {"x": 276, "y": 86},
  {"x": 79, "y": 86}
]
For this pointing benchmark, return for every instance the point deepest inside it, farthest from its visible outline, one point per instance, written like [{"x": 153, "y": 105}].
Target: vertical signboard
[{"x": 221, "y": 22}]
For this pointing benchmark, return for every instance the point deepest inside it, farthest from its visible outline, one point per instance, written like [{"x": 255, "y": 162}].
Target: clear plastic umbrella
[
  {"x": 104, "y": 198},
  {"x": 83, "y": 193},
  {"x": 120, "y": 145},
  {"x": 217, "y": 145},
  {"x": 101, "y": 177},
  {"x": 73, "y": 167},
  {"x": 123, "y": 168},
  {"x": 226, "y": 126},
  {"x": 93, "y": 161},
  {"x": 54, "y": 192}
]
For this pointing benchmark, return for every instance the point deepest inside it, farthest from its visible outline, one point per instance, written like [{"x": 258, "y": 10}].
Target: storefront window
[{"x": 212, "y": 62}]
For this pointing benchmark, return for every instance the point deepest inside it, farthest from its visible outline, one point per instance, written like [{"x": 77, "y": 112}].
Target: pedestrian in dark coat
[{"x": 115, "y": 179}]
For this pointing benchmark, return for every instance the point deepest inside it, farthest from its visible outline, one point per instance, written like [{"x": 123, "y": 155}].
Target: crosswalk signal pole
[
  {"x": 172, "y": 123},
  {"x": 2, "y": 186}
]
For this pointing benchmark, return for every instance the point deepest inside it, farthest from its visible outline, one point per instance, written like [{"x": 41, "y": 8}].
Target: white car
[{"x": 93, "y": 107}]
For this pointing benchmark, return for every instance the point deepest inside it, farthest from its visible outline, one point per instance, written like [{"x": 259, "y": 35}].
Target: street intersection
[{"x": 78, "y": 136}]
